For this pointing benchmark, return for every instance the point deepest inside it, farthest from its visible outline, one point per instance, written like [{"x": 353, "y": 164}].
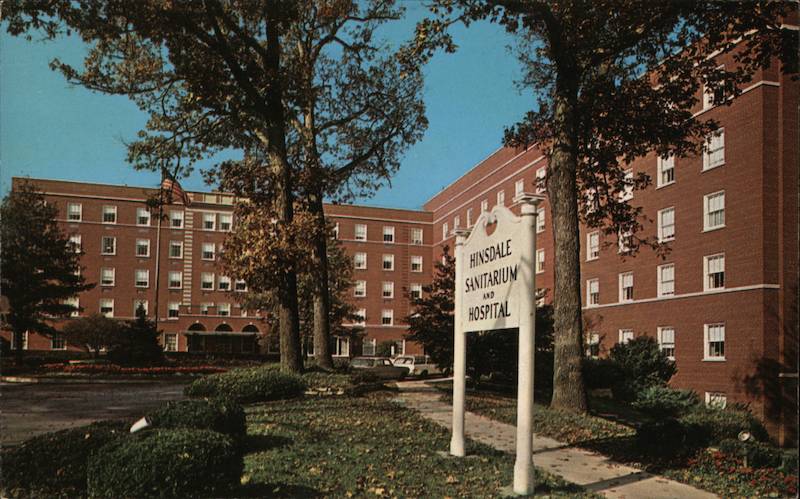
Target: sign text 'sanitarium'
[{"x": 489, "y": 279}]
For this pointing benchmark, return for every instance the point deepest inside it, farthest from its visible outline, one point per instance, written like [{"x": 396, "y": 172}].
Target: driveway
[{"x": 28, "y": 409}]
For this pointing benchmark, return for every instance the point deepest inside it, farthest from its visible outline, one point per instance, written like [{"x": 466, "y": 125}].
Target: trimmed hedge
[
  {"x": 165, "y": 463},
  {"x": 660, "y": 401},
  {"x": 759, "y": 455},
  {"x": 255, "y": 384},
  {"x": 223, "y": 416},
  {"x": 717, "y": 425},
  {"x": 54, "y": 464}
]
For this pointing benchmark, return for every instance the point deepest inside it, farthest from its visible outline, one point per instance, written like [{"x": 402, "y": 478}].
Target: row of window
[
  {"x": 108, "y": 246},
  {"x": 106, "y": 307},
  {"x": 175, "y": 280},
  {"x": 360, "y": 234},
  {"x": 387, "y": 262},
  {"x": 387, "y": 317},
  {"x": 210, "y": 221},
  {"x": 713, "y": 341},
  {"x": 387, "y": 290}
]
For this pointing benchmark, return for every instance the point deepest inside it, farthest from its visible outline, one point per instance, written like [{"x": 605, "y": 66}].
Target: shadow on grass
[
  {"x": 274, "y": 490},
  {"x": 260, "y": 443}
]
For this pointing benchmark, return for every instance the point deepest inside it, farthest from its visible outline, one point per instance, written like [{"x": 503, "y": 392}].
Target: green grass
[{"x": 367, "y": 447}]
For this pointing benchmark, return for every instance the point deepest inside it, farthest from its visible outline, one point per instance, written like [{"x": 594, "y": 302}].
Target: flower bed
[{"x": 142, "y": 371}]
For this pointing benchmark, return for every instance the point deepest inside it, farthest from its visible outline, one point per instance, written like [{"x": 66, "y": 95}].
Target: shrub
[
  {"x": 138, "y": 342},
  {"x": 363, "y": 377},
  {"x": 660, "y": 401},
  {"x": 668, "y": 437},
  {"x": 716, "y": 425},
  {"x": 165, "y": 463},
  {"x": 255, "y": 384},
  {"x": 759, "y": 455},
  {"x": 55, "y": 463},
  {"x": 223, "y": 416},
  {"x": 600, "y": 373},
  {"x": 641, "y": 364}
]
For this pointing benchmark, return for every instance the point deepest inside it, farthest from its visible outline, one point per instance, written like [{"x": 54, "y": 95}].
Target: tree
[
  {"x": 39, "y": 265},
  {"x": 614, "y": 79},
  {"x": 138, "y": 342},
  {"x": 94, "y": 333}
]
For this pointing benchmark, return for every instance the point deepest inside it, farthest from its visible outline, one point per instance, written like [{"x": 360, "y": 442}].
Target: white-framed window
[
  {"x": 387, "y": 317},
  {"x": 205, "y": 308},
  {"x": 224, "y": 283},
  {"x": 361, "y": 232},
  {"x": 142, "y": 216},
  {"x": 369, "y": 346},
  {"x": 74, "y": 212},
  {"x": 712, "y": 95},
  {"x": 176, "y": 219},
  {"x": 714, "y": 336},
  {"x": 360, "y": 289},
  {"x": 416, "y": 263},
  {"x": 416, "y": 291},
  {"x": 175, "y": 280},
  {"x": 540, "y": 219},
  {"x": 445, "y": 231},
  {"x": 666, "y": 279},
  {"x": 416, "y": 236},
  {"x": 139, "y": 302},
  {"x": 108, "y": 245},
  {"x": 594, "y": 345},
  {"x": 484, "y": 205},
  {"x": 388, "y": 233},
  {"x": 624, "y": 241},
  {"x": 142, "y": 278},
  {"x": 336, "y": 230},
  {"x": 626, "y": 286},
  {"x": 456, "y": 222},
  {"x": 208, "y": 251},
  {"x": 714, "y": 150},
  {"x": 224, "y": 309},
  {"x": 76, "y": 304},
  {"x": 469, "y": 217},
  {"x": 501, "y": 198},
  {"x": 24, "y": 341},
  {"x": 360, "y": 261},
  {"x": 240, "y": 285},
  {"x": 143, "y": 248},
  {"x": 519, "y": 187},
  {"x": 174, "y": 310},
  {"x": 539, "y": 261},
  {"x": 714, "y": 210},
  {"x": 225, "y": 222},
  {"x": 341, "y": 346},
  {"x": 589, "y": 199},
  {"x": 362, "y": 317},
  {"x": 666, "y": 340},
  {"x": 107, "y": 307},
  {"x": 592, "y": 292},
  {"x": 207, "y": 281},
  {"x": 387, "y": 290},
  {"x": 541, "y": 180},
  {"x": 388, "y": 262},
  {"x": 170, "y": 342},
  {"x": 209, "y": 221},
  {"x": 627, "y": 190},
  {"x": 75, "y": 241},
  {"x": 666, "y": 170},
  {"x": 109, "y": 214},
  {"x": 592, "y": 246},
  {"x": 57, "y": 342},
  {"x": 716, "y": 400},
  {"x": 176, "y": 249},
  {"x": 107, "y": 276},
  {"x": 625, "y": 335},
  {"x": 714, "y": 270},
  {"x": 540, "y": 295},
  {"x": 666, "y": 224}
]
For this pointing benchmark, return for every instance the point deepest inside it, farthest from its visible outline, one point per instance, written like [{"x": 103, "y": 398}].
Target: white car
[{"x": 417, "y": 365}]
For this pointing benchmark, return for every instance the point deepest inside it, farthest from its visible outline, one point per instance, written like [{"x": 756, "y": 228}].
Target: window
[
  {"x": 107, "y": 307},
  {"x": 76, "y": 304},
  {"x": 416, "y": 264},
  {"x": 539, "y": 261},
  {"x": 75, "y": 241},
  {"x": 592, "y": 246},
  {"x": 143, "y": 248},
  {"x": 666, "y": 280},
  {"x": 362, "y": 317},
  {"x": 666, "y": 170},
  {"x": 714, "y": 150},
  {"x": 388, "y": 234},
  {"x": 456, "y": 222},
  {"x": 484, "y": 205},
  {"x": 336, "y": 230},
  {"x": 626, "y": 286},
  {"x": 224, "y": 283},
  {"x": 142, "y": 278},
  {"x": 625, "y": 335},
  {"x": 225, "y": 222},
  {"x": 540, "y": 294},
  {"x": 175, "y": 280},
  {"x": 176, "y": 249},
  {"x": 361, "y": 232},
  {"x": 204, "y": 308},
  {"x": 445, "y": 230},
  {"x": 624, "y": 241},
  {"x": 540, "y": 214},
  {"x": 399, "y": 347},
  {"x": 109, "y": 214},
  {"x": 666, "y": 224},
  {"x": 716, "y": 400},
  {"x": 501, "y": 198},
  {"x": 174, "y": 310},
  {"x": 541, "y": 179},
  {"x": 715, "y": 342},
  {"x": 593, "y": 292},
  {"x": 715, "y": 271},
  {"x": 224, "y": 309},
  {"x": 416, "y": 236},
  {"x": 388, "y": 262},
  {"x": 240, "y": 285},
  {"x": 712, "y": 95},
  {"x": 627, "y": 190},
  {"x": 207, "y": 281},
  {"x": 416, "y": 291},
  {"x": 139, "y": 303},
  {"x": 176, "y": 219},
  {"x": 369, "y": 347},
  {"x": 108, "y": 245},
  {"x": 57, "y": 342},
  {"x": 519, "y": 186},
  {"x": 74, "y": 212},
  {"x": 142, "y": 216},
  {"x": 360, "y": 261},
  {"x": 360, "y": 289},
  {"x": 388, "y": 289},
  {"x": 171, "y": 342},
  {"x": 209, "y": 221},
  {"x": 666, "y": 340},
  {"x": 24, "y": 341},
  {"x": 714, "y": 207},
  {"x": 594, "y": 345},
  {"x": 469, "y": 217},
  {"x": 208, "y": 251},
  {"x": 590, "y": 199},
  {"x": 107, "y": 275},
  {"x": 341, "y": 347},
  {"x": 387, "y": 317}
]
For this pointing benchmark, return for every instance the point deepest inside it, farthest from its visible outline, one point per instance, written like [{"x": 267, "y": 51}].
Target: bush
[
  {"x": 641, "y": 364},
  {"x": 55, "y": 463},
  {"x": 138, "y": 342},
  {"x": 759, "y": 455},
  {"x": 668, "y": 437},
  {"x": 363, "y": 377},
  {"x": 600, "y": 373},
  {"x": 716, "y": 425},
  {"x": 223, "y": 416},
  {"x": 255, "y": 384},
  {"x": 165, "y": 463},
  {"x": 660, "y": 401}
]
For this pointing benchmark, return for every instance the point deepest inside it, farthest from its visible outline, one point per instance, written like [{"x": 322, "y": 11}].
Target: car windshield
[
  {"x": 362, "y": 362},
  {"x": 404, "y": 360}
]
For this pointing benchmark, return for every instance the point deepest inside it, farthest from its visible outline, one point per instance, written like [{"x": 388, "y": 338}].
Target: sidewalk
[{"x": 593, "y": 471}]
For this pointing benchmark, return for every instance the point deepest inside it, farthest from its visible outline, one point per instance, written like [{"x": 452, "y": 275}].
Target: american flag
[{"x": 173, "y": 187}]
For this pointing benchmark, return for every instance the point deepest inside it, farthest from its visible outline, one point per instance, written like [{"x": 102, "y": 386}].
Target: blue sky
[{"x": 51, "y": 129}]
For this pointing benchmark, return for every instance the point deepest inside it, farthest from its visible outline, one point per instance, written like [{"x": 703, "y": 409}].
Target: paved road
[{"x": 28, "y": 409}]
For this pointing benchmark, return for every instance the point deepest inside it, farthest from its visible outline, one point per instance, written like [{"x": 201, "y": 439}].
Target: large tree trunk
[{"x": 322, "y": 302}]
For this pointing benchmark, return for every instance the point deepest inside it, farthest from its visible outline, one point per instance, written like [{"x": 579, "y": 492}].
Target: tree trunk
[
  {"x": 18, "y": 345},
  {"x": 322, "y": 302}
]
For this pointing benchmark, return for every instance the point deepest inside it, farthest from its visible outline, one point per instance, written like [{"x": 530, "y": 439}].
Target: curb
[{"x": 18, "y": 379}]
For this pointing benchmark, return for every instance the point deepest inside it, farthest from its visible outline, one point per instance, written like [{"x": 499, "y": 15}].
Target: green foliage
[
  {"x": 138, "y": 342},
  {"x": 384, "y": 348},
  {"x": 54, "y": 464},
  {"x": 94, "y": 332},
  {"x": 600, "y": 373},
  {"x": 165, "y": 463},
  {"x": 715, "y": 425},
  {"x": 725, "y": 475},
  {"x": 669, "y": 437},
  {"x": 641, "y": 364},
  {"x": 245, "y": 385},
  {"x": 661, "y": 401},
  {"x": 220, "y": 415},
  {"x": 759, "y": 454}
]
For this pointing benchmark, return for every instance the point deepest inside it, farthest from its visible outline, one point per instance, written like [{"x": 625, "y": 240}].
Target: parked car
[
  {"x": 381, "y": 367},
  {"x": 417, "y": 365}
]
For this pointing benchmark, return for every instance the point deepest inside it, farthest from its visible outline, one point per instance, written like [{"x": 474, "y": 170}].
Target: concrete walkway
[{"x": 593, "y": 471}]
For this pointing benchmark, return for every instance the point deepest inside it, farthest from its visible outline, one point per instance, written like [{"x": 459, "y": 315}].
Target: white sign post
[{"x": 495, "y": 289}]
